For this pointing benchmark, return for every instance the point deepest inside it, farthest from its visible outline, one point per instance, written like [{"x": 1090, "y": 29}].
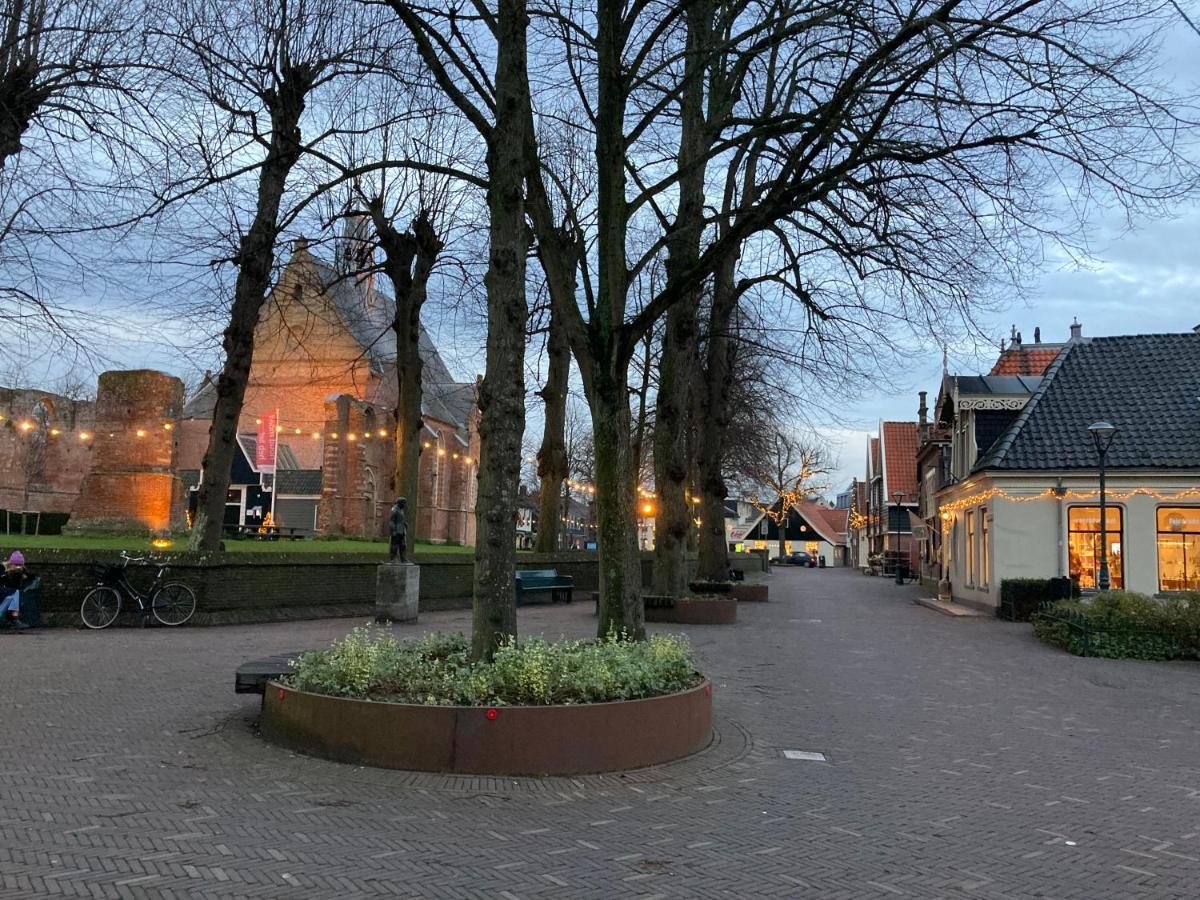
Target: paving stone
[{"x": 965, "y": 759}]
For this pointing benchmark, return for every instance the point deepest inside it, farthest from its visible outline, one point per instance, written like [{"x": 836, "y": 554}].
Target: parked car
[{"x": 798, "y": 558}]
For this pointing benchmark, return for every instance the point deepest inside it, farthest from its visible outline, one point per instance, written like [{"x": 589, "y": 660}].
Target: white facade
[{"x": 1002, "y": 525}]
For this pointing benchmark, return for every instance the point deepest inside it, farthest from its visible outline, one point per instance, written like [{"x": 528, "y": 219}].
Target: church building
[{"x": 325, "y": 365}]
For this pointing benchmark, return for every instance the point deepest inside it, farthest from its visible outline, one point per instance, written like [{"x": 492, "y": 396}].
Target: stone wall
[{"x": 269, "y": 587}]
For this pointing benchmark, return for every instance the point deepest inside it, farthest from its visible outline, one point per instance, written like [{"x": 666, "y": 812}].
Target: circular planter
[
  {"x": 689, "y": 610},
  {"x": 715, "y": 610},
  {"x": 751, "y": 593},
  {"x": 503, "y": 740}
]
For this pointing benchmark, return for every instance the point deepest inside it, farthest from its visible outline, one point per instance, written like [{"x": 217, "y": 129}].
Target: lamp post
[
  {"x": 899, "y": 495},
  {"x": 1102, "y": 435}
]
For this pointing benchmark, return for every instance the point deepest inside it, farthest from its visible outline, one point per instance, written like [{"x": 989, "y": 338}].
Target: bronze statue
[{"x": 399, "y": 531}]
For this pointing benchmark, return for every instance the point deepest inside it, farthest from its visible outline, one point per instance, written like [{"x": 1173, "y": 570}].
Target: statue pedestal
[{"x": 397, "y": 588}]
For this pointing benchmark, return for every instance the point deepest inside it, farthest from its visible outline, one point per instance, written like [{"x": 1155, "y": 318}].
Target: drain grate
[{"x": 806, "y": 755}]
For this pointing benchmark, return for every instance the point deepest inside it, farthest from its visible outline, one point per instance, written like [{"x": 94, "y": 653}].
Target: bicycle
[{"x": 171, "y": 602}]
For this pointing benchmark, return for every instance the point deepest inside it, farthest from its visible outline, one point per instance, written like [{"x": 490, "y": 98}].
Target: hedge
[
  {"x": 1124, "y": 625},
  {"x": 14, "y": 522},
  {"x": 1020, "y": 598}
]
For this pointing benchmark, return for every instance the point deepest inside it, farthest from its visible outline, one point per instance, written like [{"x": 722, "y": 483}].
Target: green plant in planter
[{"x": 368, "y": 663}]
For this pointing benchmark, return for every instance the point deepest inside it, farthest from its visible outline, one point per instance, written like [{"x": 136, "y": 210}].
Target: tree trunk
[
  {"x": 255, "y": 258},
  {"x": 676, "y": 365},
  {"x": 502, "y": 394},
  {"x": 672, "y": 518},
  {"x": 621, "y": 609},
  {"x": 552, "y": 457},
  {"x": 714, "y": 387},
  {"x": 408, "y": 259}
]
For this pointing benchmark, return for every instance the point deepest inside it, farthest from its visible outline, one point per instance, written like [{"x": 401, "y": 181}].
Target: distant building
[{"x": 892, "y": 495}]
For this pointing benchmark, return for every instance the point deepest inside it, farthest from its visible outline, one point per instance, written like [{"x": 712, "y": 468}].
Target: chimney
[
  {"x": 1076, "y": 331},
  {"x": 1016, "y": 338},
  {"x": 1037, "y": 334},
  {"x": 923, "y": 420},
  {"x": 299, "y": 245}
]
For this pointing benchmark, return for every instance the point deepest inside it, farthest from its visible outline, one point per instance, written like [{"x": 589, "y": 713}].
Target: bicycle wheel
[
  {"x": 173, "y": 603},
  {"x": 100, "y": 607}
]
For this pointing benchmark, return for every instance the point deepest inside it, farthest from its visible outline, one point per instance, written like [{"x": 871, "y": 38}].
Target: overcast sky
[{"x": 1143, "y": 282}]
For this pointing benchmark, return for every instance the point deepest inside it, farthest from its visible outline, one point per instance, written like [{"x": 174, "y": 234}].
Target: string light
[
  {"x": 26, "y": 426},
  {"x": 141, "y": 432},
  {"x": 947, "y": 509},
  {"x": 84, "y": 436},
  {"x": 167, "y": 426}
]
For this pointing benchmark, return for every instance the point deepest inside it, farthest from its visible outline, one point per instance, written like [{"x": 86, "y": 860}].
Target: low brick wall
[{"x": 269, "y": 587}]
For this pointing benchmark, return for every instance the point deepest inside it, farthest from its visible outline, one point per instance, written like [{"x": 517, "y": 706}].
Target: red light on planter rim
[
  {"x": 280, "y": 694},
  {"x": 491, "y": 715}
]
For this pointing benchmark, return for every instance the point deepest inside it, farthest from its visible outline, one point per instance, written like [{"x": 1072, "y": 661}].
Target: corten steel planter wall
[
  {"x": 691, "y": 611},
  {"x": 504, "y": 740},
  {"x": 750, "y": 593}
]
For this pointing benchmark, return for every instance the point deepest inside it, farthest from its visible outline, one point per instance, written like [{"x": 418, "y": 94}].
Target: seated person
[{"x": 11, "y": 582}]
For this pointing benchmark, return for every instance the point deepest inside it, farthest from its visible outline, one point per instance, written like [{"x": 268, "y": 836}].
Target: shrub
[
  {"x": 1021, "y": 597},
  {"x": 1124, "y": 625},
  {"x": 436, "y": 670}
]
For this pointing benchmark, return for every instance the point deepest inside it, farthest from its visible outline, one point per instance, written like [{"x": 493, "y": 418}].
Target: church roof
[{"x": 368, "y": 315}]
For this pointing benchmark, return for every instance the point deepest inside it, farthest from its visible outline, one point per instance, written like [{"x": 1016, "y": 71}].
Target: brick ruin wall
[
  {"x": 42, "y": 467},
  {"x": 134, "y": 482}
]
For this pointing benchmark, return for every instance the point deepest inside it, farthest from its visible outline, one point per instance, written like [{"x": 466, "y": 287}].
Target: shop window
[
  {"x": 811, "y": 548},
  {"x": 1083, "y": 545},
  {"x": 1179, "y": 548}
]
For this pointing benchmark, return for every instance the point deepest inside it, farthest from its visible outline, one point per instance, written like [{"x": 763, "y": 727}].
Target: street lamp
[
  {"x": 899, "y": 495},
  {"x": 1102, "y": 435}
]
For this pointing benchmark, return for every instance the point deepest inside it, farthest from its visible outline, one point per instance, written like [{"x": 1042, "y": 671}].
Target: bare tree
[
  {"x": 252, "y": 69},
  {"x": 74, "y": 109},
  {"x": 497, "y": 104},
  {"x": 788, "y": 475}
]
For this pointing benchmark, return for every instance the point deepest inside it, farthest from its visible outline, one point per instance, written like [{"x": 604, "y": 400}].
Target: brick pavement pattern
[{"x": 965, "y": 760}]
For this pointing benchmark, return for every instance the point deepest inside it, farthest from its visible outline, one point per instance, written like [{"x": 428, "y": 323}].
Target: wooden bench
[{"x": 535, "y": 581}]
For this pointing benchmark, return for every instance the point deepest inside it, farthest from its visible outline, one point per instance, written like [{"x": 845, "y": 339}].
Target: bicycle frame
[{"x": 126, "y": 588}]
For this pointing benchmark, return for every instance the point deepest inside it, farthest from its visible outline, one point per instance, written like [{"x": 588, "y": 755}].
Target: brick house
[
  {"x": 325, "y": 360},
  {"x": 892, "y": 493}
]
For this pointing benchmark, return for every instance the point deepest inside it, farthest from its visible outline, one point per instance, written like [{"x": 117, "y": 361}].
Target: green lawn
[{"x": 128, "y": 542}]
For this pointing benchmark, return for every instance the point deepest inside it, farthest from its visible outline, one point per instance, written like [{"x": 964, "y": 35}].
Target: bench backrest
[{"x": 536, "y": 574}]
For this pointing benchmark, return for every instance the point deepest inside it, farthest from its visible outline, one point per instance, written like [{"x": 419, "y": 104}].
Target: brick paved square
[{"x": 965, "y": 759}]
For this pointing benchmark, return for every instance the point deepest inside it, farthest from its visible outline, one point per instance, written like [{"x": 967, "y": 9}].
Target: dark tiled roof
[
  {"x": 301, "y": 482},
  {"x": 1147, "y": 385},
  {"x": 899, "y": 441}
]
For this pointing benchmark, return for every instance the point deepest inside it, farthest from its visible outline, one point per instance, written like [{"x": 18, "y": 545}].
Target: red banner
[{"x": 268, "y": 434}]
